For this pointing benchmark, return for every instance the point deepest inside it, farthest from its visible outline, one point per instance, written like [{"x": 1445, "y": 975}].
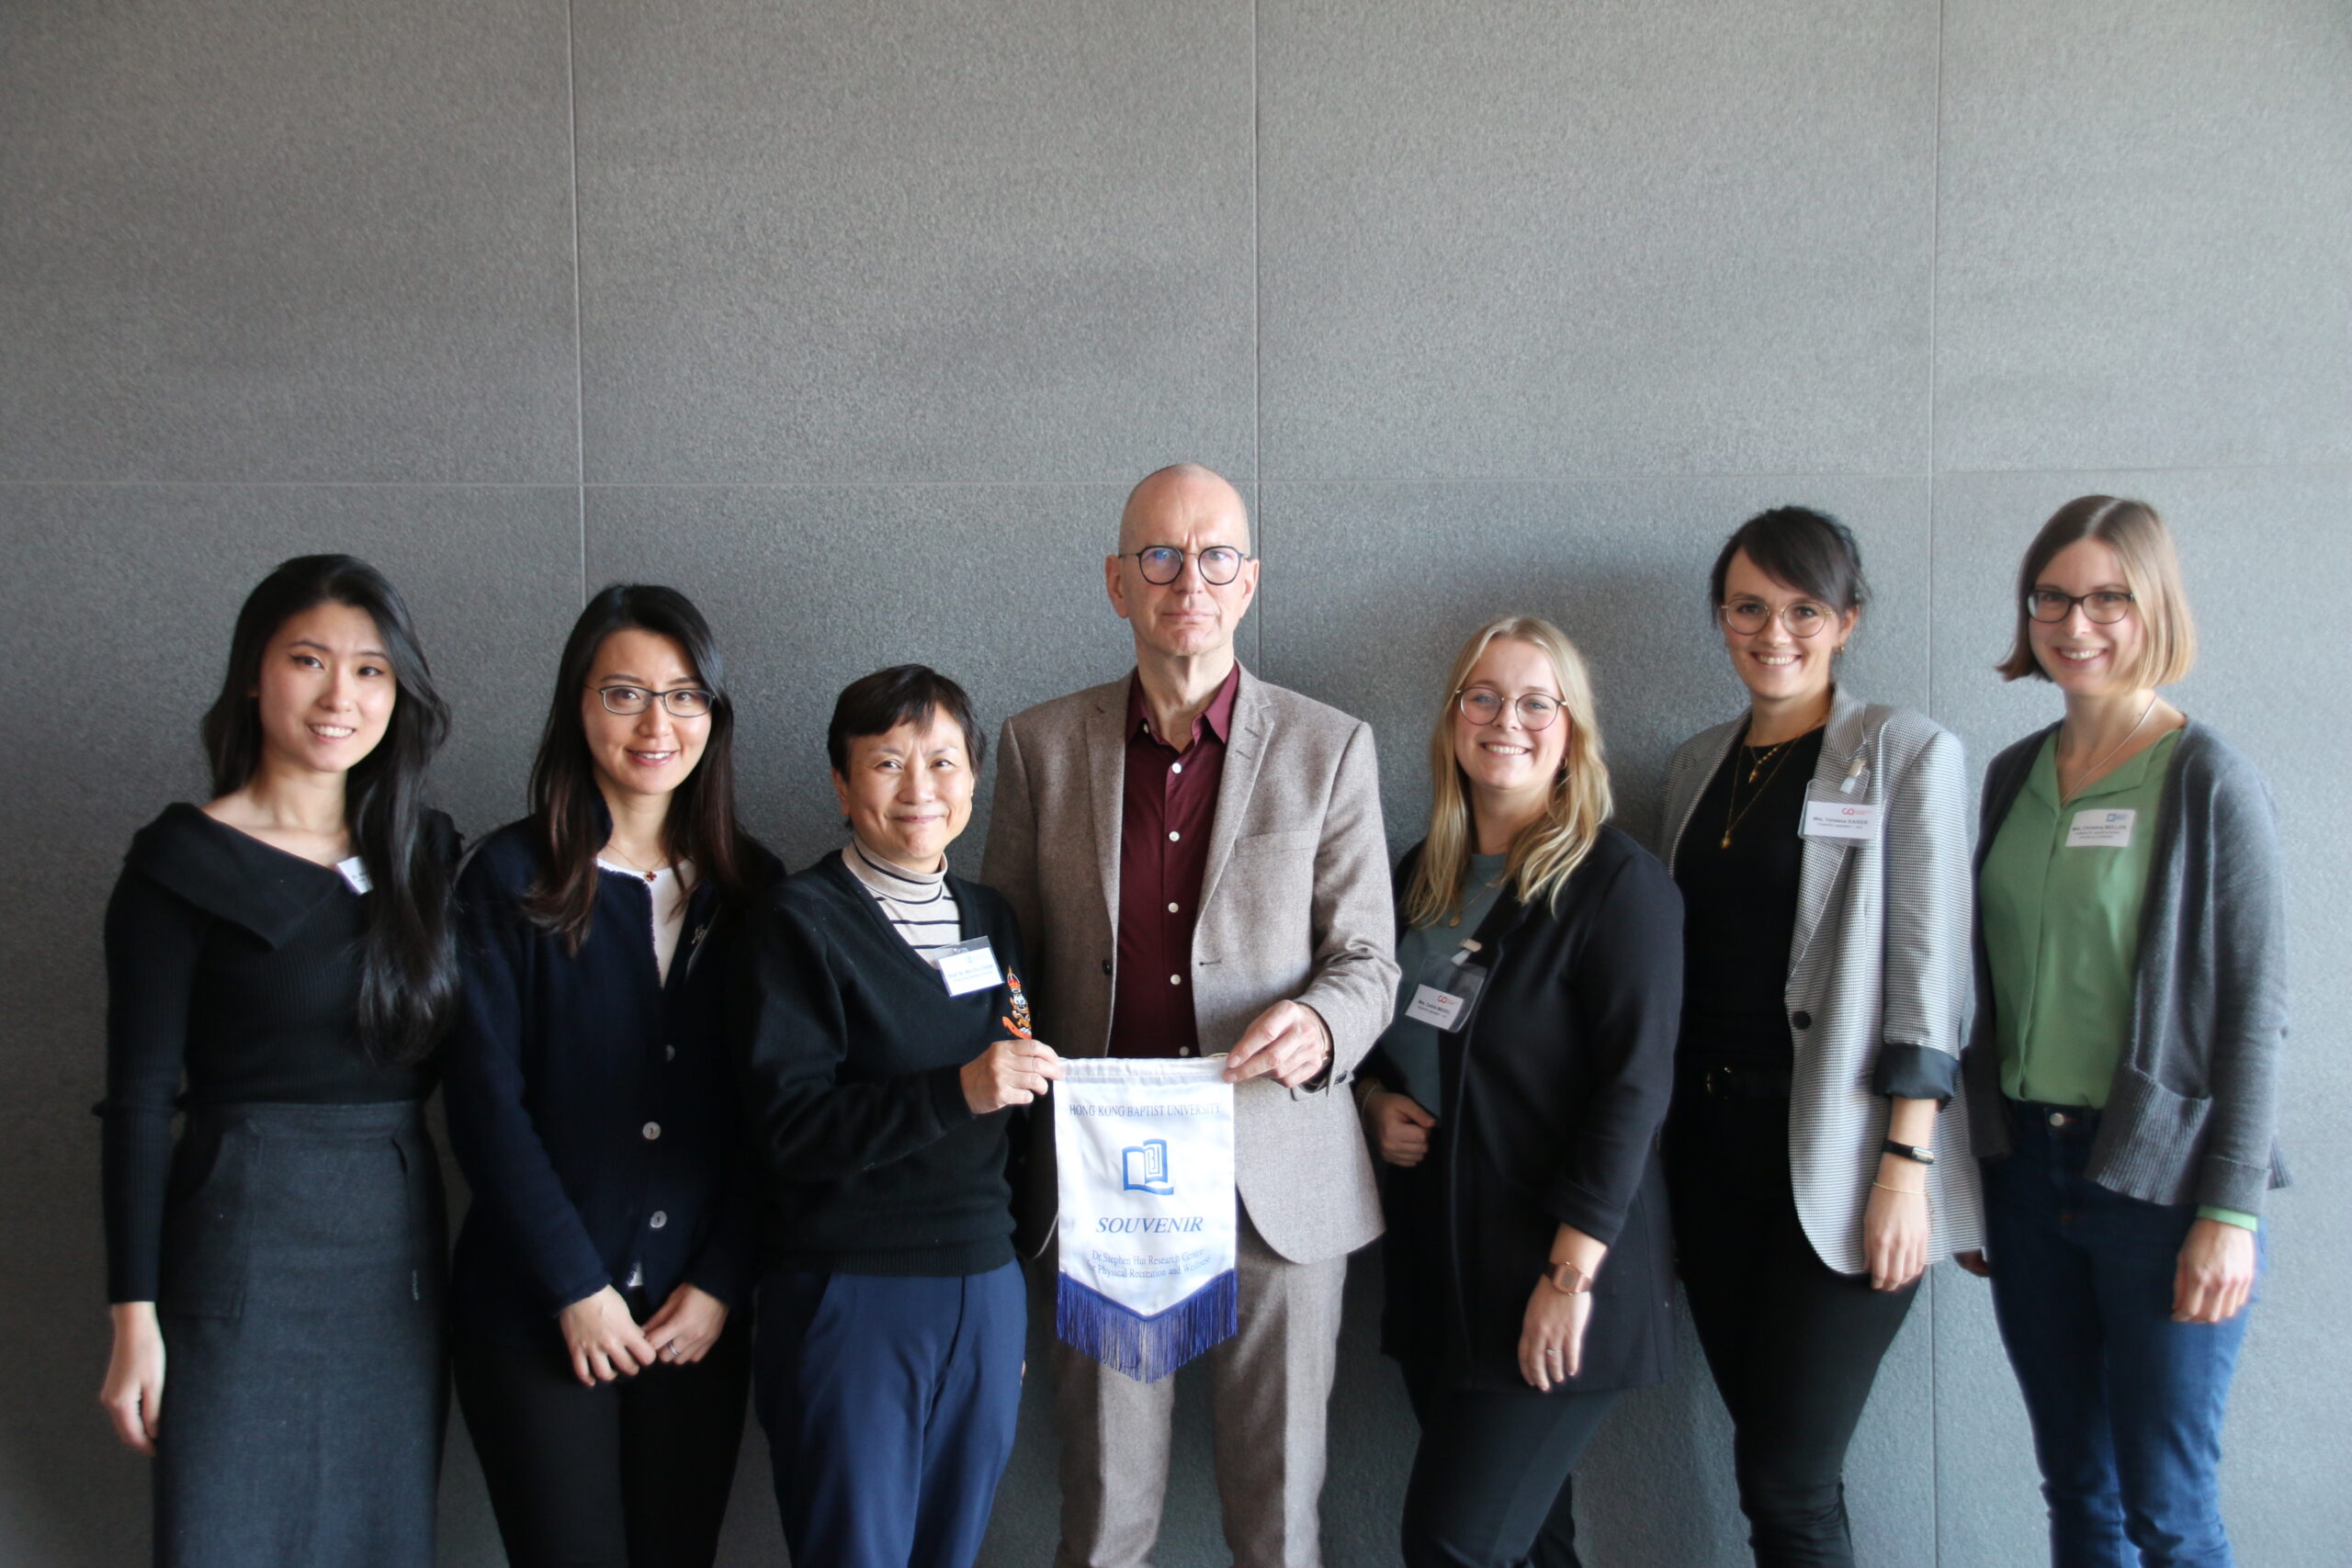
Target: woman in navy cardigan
[{"x": 601, "y": 1364}]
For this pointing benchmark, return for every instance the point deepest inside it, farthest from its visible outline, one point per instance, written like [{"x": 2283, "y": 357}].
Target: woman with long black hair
[
  {"x": 601, "y": 1362},
  {"x": 279, "y": 964}
]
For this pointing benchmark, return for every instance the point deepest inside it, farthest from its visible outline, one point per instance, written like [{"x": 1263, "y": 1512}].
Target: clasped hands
[{"x": 606, "y": 1342}]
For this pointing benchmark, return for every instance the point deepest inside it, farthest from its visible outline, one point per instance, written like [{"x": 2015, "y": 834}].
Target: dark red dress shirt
[{"x": 1169, "y": 806}]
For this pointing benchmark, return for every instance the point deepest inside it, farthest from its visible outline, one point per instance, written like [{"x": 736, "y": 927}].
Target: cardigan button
[
  {"x": 652, "y": 1131},
  {"x": 1802, "y": 1019}
]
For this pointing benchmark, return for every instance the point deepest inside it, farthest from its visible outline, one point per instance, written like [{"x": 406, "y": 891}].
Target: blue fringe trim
[{"x": 1146, "y": 1348}]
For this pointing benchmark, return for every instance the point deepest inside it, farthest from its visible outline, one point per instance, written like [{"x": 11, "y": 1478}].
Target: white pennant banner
[{"x": 1148, "y": 1227}]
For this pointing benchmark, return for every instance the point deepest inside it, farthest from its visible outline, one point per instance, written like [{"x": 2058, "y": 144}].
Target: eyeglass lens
[
  {"x": 2105, "y": 605},
  {"x": 1163, "y": 564},
  {"x": 684, "y": 702},
  {"x": 1748, "y": 616},
  {"x": 1536, "y": 711}
]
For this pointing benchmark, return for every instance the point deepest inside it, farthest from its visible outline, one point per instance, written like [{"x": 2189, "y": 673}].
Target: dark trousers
[
  {"x": 1492, "y": 1480},
  {"x": 2126, "y": 1404},
  {"x": 1794, "y": 1346},
  {"x": 633, "y": 1474},
  {"x": 889, "y": 1405}
]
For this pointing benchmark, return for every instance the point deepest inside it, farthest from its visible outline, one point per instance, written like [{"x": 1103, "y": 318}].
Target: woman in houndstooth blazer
[{"x": 1821, "y": 845}]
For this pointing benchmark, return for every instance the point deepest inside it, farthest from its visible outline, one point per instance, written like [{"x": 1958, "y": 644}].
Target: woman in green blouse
[{"x": 2122, "y": 1072}]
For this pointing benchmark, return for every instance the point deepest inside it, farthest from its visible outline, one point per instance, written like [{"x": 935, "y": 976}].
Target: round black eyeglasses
[{"x": 1163, "y": 564}]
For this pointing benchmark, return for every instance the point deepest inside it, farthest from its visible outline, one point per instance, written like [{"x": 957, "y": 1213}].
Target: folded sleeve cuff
[{"x": 1915, "y": 1071}]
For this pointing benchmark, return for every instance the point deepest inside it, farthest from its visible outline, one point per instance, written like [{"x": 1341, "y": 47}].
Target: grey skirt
[{"x": 304, "y": 1371}]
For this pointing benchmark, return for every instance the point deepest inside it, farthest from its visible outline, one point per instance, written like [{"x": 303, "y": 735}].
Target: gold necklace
[
  {"x": 1765, "y": 754},
  {"x": 1734, "y": 813},
  {"x": 650, "y": 876}
]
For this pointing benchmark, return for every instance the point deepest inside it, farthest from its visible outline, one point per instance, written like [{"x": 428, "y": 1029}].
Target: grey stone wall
[{"x": 855, "y": 320}]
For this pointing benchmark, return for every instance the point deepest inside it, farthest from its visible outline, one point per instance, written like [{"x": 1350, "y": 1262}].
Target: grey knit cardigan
[{"x": 2192, "y": 1116}]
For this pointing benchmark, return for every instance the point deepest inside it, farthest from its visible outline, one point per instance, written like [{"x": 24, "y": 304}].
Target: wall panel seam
[{"x": 578, "y": 354}]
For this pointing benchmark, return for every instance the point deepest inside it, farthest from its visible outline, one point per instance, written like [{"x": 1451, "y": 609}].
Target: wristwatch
[
  {"x": 1567, "y": 1279},
  {"x": 1910, "y": 1152}
]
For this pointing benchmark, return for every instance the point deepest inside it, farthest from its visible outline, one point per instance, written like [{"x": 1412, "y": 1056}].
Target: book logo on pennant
[{"x": 1144, "y": 1168}]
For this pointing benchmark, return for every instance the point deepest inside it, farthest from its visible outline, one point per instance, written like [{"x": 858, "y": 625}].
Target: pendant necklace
[
  {"x": 650, "y": 876},
  {"x": 1735, "y": 813}
]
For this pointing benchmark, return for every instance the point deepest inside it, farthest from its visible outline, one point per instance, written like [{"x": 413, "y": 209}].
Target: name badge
[
  {"x": 969, "y": 967},
  {"x": 1443, "y": 1009},
  {"x": 2098, "y": 829},
  {"x": 1839, "y": 817}
]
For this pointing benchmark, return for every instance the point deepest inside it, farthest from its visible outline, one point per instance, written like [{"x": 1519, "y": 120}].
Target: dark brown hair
[
  {"x": 408, "y": 956},
  {"x": 903, "y": 693},
  {"x": 1810, "y": 551},
  {"x": 566, "y": 805}
]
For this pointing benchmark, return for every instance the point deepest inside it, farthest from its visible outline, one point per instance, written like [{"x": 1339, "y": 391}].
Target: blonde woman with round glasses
[
  {"x": 1515, "y": 1104},
  {"x": 1821, "y": 845},
  {"x": 2123, "y": 1077}
]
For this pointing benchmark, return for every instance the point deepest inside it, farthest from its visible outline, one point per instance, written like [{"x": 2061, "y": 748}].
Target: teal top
[
  {"x": 1425, "y": 957},
  {"x": 2063, "y": 889}
]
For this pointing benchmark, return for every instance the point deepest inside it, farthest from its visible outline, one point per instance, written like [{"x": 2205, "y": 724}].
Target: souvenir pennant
[{"x": 1147, "y": 1227}]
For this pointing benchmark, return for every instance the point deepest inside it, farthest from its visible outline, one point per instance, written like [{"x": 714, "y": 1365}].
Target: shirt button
[
  {"x": 669, "y": 1053},
  {"x": 658, "y": 1219},
  {"x": 1802, "y": 1019},
  {"x": 1175, "y": 979},
  {"x": 1183, "y": 1050},
  {"x": 2057, "y": 1118},
  {"x": 653, "y": 1130},
  {"x": 1175, "y": 767},
  {"x": 1172, "y": 909},
  {"x": 1173, "y": 837}
]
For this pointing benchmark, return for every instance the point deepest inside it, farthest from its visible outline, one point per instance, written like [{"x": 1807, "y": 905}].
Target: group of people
[{"x": 734, "y": 1135}]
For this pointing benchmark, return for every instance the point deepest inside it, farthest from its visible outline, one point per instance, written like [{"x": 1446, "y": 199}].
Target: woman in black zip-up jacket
[
  {"x": 602, "y": 1356},
  {"x": 1516, "y": 1102}
]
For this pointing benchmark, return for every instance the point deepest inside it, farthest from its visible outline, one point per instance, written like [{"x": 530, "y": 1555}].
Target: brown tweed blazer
[{"x": 1296, "y": 903}]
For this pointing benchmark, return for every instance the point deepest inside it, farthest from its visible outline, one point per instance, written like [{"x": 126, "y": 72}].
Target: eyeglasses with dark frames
[
  {"x": 683, "y": 702},
  {"x": 1163, "y": 564},
  {"x": 1749, "y": 616},
  {"x": 2105, "y": 607},
  {"x": 1481, "y": 705}
]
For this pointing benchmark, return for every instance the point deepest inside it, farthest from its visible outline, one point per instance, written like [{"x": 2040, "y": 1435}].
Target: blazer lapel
[
  {"x": 1821, "y": 859},
  {"x": 1106, "y": 762},
  {"x": 1244, "y": 750}
]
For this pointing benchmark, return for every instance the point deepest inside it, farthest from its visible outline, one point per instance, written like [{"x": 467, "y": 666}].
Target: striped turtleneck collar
[{"x": 887, "y": 879}]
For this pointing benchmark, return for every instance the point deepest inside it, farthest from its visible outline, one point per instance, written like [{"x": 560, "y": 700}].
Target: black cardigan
[
  {"x": 557, "y": 1067},
  {"x": 1556, "y": 1085},
  {"x": 851, "y": 1050}
]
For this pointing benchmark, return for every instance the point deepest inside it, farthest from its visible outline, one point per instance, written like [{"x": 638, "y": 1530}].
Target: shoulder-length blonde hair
[
  {"x": 2151, "y": 570},
  {"x": 1548, "y": 850}
]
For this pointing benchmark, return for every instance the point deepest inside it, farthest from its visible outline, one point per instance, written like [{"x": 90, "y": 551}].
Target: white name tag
[
  {"x": 355, "y": 871},
  {"x": 969, "y": 967},
  {"x": 2098, "y": 829},
  {"x": 1438, "y": 1009},
  {"x": 1838, "y": 818}
]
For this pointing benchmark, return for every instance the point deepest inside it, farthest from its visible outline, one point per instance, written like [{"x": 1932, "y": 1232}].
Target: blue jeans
[{"x": 2126, "y": 1404}]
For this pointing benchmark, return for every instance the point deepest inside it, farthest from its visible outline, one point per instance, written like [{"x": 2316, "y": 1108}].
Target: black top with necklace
[{"x": 1737, "y": 867}]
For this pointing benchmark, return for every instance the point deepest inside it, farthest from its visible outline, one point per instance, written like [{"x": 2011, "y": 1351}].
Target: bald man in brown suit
[{"x": 1197, "y": 861}]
